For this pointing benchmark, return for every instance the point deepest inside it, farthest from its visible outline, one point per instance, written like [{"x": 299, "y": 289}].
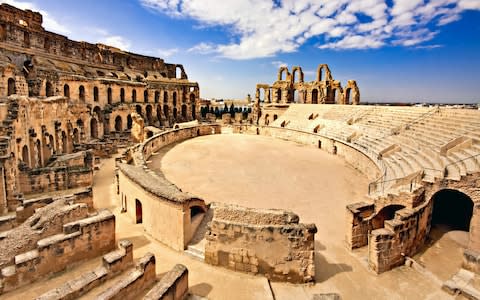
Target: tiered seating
[{"x": 438, "y": 142}]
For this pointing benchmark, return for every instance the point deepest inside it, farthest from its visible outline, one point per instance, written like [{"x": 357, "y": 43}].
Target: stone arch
[
  {"x": 95, "y": 94},
  {"x": 174, "y": 99},
  {"x": 384, "y": 214},
  {"x": 109, "y": 95},
  {"x": 149, "y": 114},
  {"x": 129, "y": 121},
  {"x": 184, "y": 111},
  {"x": 192, "y": 103},
  {"x": 49, "y": 89},
  {"x": 122, "y": 95},
  {"x": 279, "y": 95},
  {"x": 196, "y": 211},
  {"x": 157, "y": 97},
  {"x": 94, "y": 128},
  {"x": 25, "y": 155},
  {"x": 145, "y": 96},
  {"x": 81, "y": 93},
  {"x": 281, "y": 71},
  {"x": 118, "y": 124},
  {"x": 138, "y": 212},
  {"x": 451, "y": 209},
  {"x": 11, "y": 89},
  {"x": 178, "y": 72},
  {"x": 66, "y": 90},
  {"x": 323, "y": 68},
  {"x": 314, "y": 96},
  {"x": 352, "y": 93},
  {"x": 300, "y": 74},
  {"x": 134, "y": 95}
]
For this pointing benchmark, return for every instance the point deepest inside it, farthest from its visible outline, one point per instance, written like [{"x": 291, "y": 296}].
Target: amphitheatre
[{"x": 117, "y": 181}]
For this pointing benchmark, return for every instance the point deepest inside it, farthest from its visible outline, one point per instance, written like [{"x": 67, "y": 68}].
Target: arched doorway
[
  {"x": 81, "y": 93},
  {"x": 66, "y": 91},
  {"x": 118, "y": 124},
  {"x": 25, "y": 156},
  {"x": 314, "y": 96},
  {"x": 122, "y": 95},
  {"x": 129, "y": 122},
  {"x": 93, "y": 128},
  {"x": 174, "y": 113},
  {"x": 196, "y": 211},
  {"x": 386, "y": 213},
  {"x": 109, "y": 95},
  {"x": 11, "y": 87},
  {"x": 49, "y": 89},
  {"x": 184, "y": 111},
  {"x": 134, "y": 95},
  {"x": 95, "y": 94},
  {"x": 138, "y": 109},
  {"x": 138, "y": 211},
  {"x": 148, "y": 112},
  {"x": 452, "y": 210}
]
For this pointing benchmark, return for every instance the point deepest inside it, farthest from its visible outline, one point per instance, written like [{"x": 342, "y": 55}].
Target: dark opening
[
  {"x": 66, "y": 90},
  {"x": 386, "y": 213},
  {"x": 145, "y": 96},
  {"x": 26, "y": 39},
  {"x": 129, "y": 122},
  {"x": 81, "y": 93},
  {"x": 118, "y": 123},
  {"x": 122, "y": 95},
  {"x": 334, "y": 150},
  {"x": 93, "y": 128},
  {"x": 95, "y": 94},
  {"x": 49, "y": 89},
  {"x": 453, "y": 209},
  {"x": 134, "y": 96},
  {"x": 319, "y": 144},
  {"x": 175, "y": 113},
  {"x": 347, "y": 96},
  {"x": 11, "y": 87},
  {"x": 195, "y": 211},
  {"x": 314, "y": 96},
  {"x": 138, "y": 109},
  {"x": 138, "y": 211},
  {"x": 157, "y": 96},
  {"x": 109, "y": 95},
  {"x": 184, "y": 111}
]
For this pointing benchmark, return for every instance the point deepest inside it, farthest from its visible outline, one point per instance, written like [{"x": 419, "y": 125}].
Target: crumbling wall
[
  {"x": 172, "y": 286},
  {"x": 54, "y": 179},
  {"x": 80, "y": 240},
  {"x": 267, "y": 242}
]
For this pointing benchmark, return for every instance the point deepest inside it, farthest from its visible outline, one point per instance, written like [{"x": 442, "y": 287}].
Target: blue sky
[{"x": 397, "y": 50}]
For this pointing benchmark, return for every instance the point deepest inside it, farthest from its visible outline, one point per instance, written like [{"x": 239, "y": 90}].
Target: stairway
[{"x": 196, "y": 247}]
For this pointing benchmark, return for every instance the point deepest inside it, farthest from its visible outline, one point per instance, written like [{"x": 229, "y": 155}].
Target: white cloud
[
  {"x": 263, "y": 28},
  {"x": 279, "y": 64},
  {"x": 49, "y": 23},
  {"x": 116, "y": 41},
  {"x": 167, "y": 52}
]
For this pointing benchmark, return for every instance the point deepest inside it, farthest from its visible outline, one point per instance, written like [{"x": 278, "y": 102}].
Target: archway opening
[
  {"x": 386, "y": 213},
  {"x": 25, "y": 156},
  {"x": 11, "y": 87},
  {"x": 138, "y": 109},
  {"x": 49, "y": 89},
  {"x": 145, "y": 96},
  {"x": 129, "y": 122},
  {"x": 66, "y": 91},
  {"x": 452, "y": 210},
  {"x": 347, "y": 96},
  {"x": 296, "y": 97},
  {"x": 184, "y": 111},
  {"x": 178, "y": 72},
  {"x": 175, "y": 113},
  {"x": 314, "y": 96},
  {"x": 81, "y": 93},
  {"x": 134, "y": 96},
  {"x": 109, "y": 95},
  {"x": 279, "y": 95},
  {"x": 122, "y": 95},
  {"x": 148, "y": 112},
  {"x": 138, "y": 211},
  {"x": 157, "y": 97},
  {"x": 93, "y": 128},
  {"x": 118, "y": 123},
  {"x": 196, "y": 211},
  {"x": 95, "y": 94}
]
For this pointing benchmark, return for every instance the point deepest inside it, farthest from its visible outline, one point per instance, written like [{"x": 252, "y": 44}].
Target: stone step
[{"x": 195, "y": 252}]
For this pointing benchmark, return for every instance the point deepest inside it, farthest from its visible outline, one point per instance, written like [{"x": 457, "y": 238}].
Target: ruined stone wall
[
  {"x": 172, "y": 286},
  {"x": 267, "y": 242},
  {"x": 79, "y": 241}
]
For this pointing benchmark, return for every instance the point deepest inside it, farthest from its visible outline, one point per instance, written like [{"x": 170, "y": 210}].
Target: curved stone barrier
[{"x": 167, "y": 213}]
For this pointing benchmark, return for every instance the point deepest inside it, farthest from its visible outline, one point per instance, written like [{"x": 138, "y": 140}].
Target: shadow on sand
[{"x": 325, "y": 270}]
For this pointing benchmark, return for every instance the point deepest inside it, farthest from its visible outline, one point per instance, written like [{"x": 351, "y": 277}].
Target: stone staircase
[{"x": 196, "y": 247}]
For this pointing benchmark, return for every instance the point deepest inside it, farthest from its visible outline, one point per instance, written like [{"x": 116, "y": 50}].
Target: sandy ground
[{"x": 261, "y": 172}]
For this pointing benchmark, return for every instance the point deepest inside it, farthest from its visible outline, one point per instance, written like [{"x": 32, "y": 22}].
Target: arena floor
[{"x": 263, "y": 172}]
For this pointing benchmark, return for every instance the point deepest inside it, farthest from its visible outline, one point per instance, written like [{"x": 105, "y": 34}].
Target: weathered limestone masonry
[
  {"x": 268, "y": 242},
  {"x": 412, "y": 156},
  {"x": 113, "y": 263},
  {"x": 168, "y": 214},
  {"x": 80, "y": 240},
  {"x": 172, "y": 286},
  {"x": 291, "y": 88},
  {"x": 59, "y": 96}
]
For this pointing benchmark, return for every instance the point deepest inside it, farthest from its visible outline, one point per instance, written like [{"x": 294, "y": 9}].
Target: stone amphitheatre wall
[
  {"x": 260, "y": 241},
  {"x": 80, "y": 240},
  {"x": 151, "y": 199}
]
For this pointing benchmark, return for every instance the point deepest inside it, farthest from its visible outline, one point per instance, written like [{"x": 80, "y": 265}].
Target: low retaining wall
[
  {"x": 113, "y": 263},
  {"x": 261, "y": 241},
  {"x": 80, "y": 240},
  {"x": 172, "y": 286},
  {"x": 134, "y": 283},
  {"x": 150, "y": 199}
]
